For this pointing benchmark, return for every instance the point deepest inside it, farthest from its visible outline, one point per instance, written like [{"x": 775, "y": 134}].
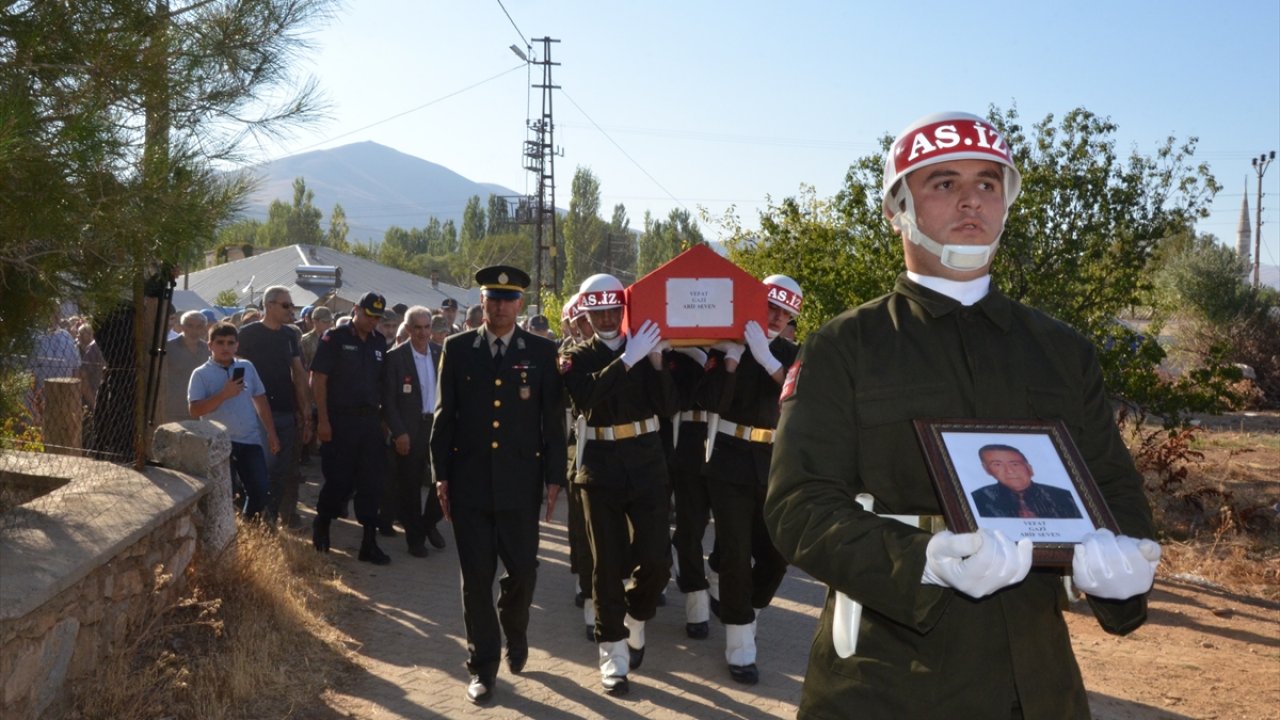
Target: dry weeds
[
  {"x": 1220, "y": 522},
  {"x": 249, "y": 640}
]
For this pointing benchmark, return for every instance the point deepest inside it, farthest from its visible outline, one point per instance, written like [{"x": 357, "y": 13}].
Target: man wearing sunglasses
[{"x": 274, "y": 346}]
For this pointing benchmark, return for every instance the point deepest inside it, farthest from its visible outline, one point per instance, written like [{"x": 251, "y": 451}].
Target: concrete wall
[{"x": 84, "y": 567}]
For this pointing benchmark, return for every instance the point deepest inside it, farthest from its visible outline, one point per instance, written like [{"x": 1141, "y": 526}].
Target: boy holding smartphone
[{"x": 228, "y": 390}]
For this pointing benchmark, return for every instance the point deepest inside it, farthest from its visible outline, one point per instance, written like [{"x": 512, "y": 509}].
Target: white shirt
[
  {"x": 506, "y": 341},
  {"x": 966, "y": 292},
  {"x": 426, "y": 378}
]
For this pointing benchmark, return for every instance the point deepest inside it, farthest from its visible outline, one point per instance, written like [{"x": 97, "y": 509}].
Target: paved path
[{"x": 412, "y": 646}]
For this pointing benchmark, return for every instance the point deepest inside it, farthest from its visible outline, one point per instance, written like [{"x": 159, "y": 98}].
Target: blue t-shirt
[{"x": 237, "y": 413}]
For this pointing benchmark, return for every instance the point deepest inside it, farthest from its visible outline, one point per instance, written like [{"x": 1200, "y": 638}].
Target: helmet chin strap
[
  {"x": 954, "y": 257},
  {"x": 610, "y": 335}
]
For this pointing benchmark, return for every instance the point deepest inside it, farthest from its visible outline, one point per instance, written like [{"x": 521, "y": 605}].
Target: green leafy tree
[
  {"x": 449, "y": 237},
  {"x": 336, "y": 237},
  {"x": 1077, "y": 243},
  {"x": 498, "y": 218},
  {"x": 115, "y": 118},
  {"x": 583, "y": 230},
  {"x": 1215, "y": 315},
  {"x": 473, "y": 226},
  {"x": 304, "y": 217},
  {"x": 227, "y": 298},
  {"x": 622, "y": 250},
  {"x": 435, "y": 237},
  {"x": 813, "y": 240},
  {"x": 663, "y": 240}
]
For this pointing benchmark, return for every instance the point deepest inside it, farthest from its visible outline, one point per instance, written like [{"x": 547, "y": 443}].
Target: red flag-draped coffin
[{"x": 698, "y": 297}]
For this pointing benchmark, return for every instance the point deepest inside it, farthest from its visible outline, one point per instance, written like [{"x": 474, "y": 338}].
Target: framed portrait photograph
[{"x": 1024, "y": 478}]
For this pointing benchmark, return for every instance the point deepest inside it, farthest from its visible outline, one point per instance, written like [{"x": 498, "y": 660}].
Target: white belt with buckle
[
  {"x": 624, "y": 431},
  {"x": 701, "y": 416},
  {"x": 746, "y": 432}
]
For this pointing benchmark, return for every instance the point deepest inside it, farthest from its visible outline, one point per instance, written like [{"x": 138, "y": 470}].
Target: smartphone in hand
[{"x": 237, "y": 373}]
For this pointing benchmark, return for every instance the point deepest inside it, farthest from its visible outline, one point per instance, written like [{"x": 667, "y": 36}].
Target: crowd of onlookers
[{"x": 67, "y": 348}]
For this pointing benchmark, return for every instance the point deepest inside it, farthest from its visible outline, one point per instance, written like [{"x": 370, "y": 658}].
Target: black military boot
[{"x": 369, "y": 550}]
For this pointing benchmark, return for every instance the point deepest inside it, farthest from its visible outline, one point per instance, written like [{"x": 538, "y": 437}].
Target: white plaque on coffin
[{"x": 699, "y": 302}]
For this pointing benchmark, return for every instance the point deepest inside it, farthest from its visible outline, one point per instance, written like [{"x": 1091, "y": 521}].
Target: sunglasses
[{"x": 286, "y": 306}]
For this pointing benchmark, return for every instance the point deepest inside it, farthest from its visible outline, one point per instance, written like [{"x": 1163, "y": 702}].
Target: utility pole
[
  {"x": 540, "y": 153},
  {"x": 1260, "y": 165}
]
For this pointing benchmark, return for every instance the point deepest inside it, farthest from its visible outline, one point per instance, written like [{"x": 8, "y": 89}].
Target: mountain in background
[{"x": 376, "y": 185}]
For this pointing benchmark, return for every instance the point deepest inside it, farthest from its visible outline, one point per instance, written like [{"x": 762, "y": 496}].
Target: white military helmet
[
  {"x": 785, "y": 293},
  {"x": 600, "y": 292},
  {"x": 936, "y": 138},
  {"x": 570, "y": 310}
]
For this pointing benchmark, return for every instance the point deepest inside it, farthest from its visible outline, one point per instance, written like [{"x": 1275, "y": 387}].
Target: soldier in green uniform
[
  {"x": 742, "y": 388},
  {"x": 952, "y": 625},
  {"x": 620, "y": 386},
  {"x": 578, "y": 330},
  {"x": 685, "y": 463},
  {"x": 496, "y": 442}
]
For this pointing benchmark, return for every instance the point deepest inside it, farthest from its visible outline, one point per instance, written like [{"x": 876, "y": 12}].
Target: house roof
[{"x": 250, "y": 276}]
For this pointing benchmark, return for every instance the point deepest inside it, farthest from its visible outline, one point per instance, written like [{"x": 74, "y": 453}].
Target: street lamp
[
  {"x": 1260, "y": 165},
  {"x": 520, "y": 54}
]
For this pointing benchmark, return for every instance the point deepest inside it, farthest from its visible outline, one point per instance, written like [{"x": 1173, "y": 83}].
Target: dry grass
[
  {"x": 1220, "y": 522},
  {"x": 249, "y": 640}
]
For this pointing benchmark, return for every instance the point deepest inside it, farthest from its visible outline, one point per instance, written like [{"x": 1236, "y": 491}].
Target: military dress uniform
[
  {"x": 581, "y": 563},
  {"x": 354, "y": 460},
  {"x": 685, "y": 463},
  {"x": 926, "y": 651},
  {"x": 622, "y": 477},
  {"x": 498, "y": 439},
  {"x": 750, "y": 567}
]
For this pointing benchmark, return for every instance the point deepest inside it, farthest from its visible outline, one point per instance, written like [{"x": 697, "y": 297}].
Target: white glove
[
  {"x": 697, "y": 354},
  {"x": 641, "y": 343},
  {"x": 732, "y": 350},
  {"x": 1114, "y": 567},
  {"x": 655, "y": 355},
  {"x": 759, "y": 344},
  {"x": 978, "y": 563}
]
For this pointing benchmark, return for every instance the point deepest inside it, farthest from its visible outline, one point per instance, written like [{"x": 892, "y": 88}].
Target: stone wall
[{"x": 82, "y": 569}]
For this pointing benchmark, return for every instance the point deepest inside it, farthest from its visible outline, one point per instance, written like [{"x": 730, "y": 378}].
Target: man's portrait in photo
[{"x": 1015, "y": 494}]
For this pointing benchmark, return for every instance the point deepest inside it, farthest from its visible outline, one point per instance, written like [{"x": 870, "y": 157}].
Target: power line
[
  {"x": 401, "y": 114},
  {"x": 624, "y": 152},
  {"x": 513, "y": 24}
]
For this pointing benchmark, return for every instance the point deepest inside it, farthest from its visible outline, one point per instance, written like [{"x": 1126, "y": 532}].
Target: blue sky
[{"x": 713, "y": 104}]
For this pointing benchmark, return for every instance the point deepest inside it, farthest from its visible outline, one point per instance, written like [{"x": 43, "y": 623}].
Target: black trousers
[
  {"x": 692, "y": 505},
  {"x": 403, "y": 500},
  {"x": 626, "y": 504},
  {"x": 580, "y": 561},
  {"x": 750, "y": 567},
  {"x": 353, "y": 462},
  {"x": 483, "y": 537}
]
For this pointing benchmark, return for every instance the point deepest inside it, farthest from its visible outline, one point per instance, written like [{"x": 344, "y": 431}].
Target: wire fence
[{"x": 80, "y": 392}]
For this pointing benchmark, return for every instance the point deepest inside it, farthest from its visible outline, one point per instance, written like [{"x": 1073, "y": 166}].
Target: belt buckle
[
  {"x": 741, "y": 432},
  {"x": 624, "y": 432},
  {"x": 764, "y": 435}
]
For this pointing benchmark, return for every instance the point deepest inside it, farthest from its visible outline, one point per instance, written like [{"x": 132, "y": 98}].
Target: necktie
[
  {"x": 1023, "y": 510},
  {"x": 497, "y": 353}
]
